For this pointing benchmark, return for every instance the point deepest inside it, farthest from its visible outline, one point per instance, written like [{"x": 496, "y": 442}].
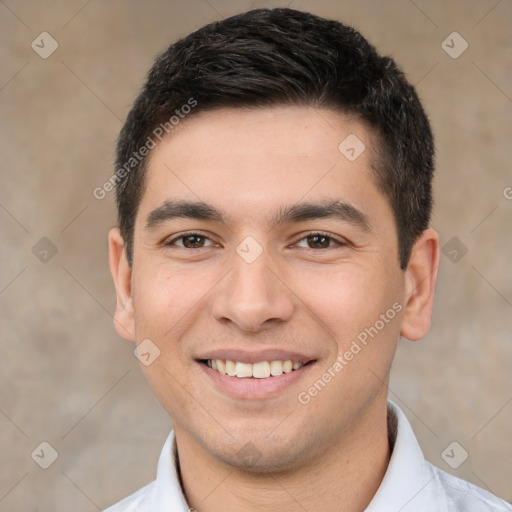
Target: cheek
[
  {"x": 360, "y": 309},
  {"x": 345, "y": 300},
  {"x": 162, "y": 297},
  {"x": 165, "y": 301}
]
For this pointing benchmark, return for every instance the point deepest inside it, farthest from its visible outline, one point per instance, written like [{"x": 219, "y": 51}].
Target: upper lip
[{"x": 245, "y": 356}]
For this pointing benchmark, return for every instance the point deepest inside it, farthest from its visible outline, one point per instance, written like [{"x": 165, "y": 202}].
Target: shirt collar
[
  {"x": 167, "y": 493},
  {"x": 408, "y": 475}
]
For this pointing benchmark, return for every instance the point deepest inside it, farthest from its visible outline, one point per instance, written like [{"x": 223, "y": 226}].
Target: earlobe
[
  {"x": 420, "y": 281},
  {"x": 121, "y": 271}
]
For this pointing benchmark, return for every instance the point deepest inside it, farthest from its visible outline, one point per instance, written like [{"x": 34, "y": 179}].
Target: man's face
[{"x": 247, "y": 289}]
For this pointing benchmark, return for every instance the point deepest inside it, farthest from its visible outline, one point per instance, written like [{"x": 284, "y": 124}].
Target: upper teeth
[{"x": 259, "y": 370}]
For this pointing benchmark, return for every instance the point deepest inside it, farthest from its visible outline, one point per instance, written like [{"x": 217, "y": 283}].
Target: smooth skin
[{"x": 302, "y": 294}]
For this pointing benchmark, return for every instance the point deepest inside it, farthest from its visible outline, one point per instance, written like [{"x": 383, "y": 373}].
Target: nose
[{"x": 252, "y": 296}]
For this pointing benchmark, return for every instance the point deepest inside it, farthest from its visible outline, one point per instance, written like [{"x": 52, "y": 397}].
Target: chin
[
  {"x": 261, "y": 454},
  {"x": 251, "y": 459}
]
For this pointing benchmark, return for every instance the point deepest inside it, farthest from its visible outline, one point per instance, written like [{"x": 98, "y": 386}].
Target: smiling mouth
[{"x": 260, "y": 370}]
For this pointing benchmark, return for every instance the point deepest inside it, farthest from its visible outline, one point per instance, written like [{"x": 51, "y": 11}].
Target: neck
[{"x": 345, "y": 476}]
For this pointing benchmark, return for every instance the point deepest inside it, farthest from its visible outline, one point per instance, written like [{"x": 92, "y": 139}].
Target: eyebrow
[{"x": 339, "y": 210}]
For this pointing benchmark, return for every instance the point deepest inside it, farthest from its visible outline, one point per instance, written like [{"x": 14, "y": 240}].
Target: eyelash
[{"x": 307, "y": 235}]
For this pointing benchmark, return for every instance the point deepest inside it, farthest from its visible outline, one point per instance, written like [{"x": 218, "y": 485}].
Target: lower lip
[{"x": 251, "y": 388}]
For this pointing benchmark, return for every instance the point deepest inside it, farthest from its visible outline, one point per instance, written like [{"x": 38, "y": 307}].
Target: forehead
[{"x": 251, "y": 162}]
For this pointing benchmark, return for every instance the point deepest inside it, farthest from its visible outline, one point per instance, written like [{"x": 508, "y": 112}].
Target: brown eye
[
  {"x": 193, "y": 241},
  {"x": 318, "y": 241},
  {"x": 189, "y": 241}
]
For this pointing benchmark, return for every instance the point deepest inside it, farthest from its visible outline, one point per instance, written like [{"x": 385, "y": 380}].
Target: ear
[
  {"x": 124, "y": 322},
  {"x": 420, "y": 282}
]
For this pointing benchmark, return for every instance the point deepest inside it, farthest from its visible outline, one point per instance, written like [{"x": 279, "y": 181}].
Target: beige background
[{"x": 68, "y": 379}]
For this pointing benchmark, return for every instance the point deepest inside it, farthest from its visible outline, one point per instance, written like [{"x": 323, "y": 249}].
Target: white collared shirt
[{"x": 411, "y": 484}]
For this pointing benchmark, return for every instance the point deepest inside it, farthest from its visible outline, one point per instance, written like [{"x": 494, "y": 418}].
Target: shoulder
[
  {"x": 139, "y": 501},
  {"x": 463, "y": 496}
]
